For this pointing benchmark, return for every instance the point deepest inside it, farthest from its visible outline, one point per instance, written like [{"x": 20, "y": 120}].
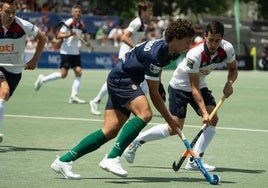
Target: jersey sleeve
[
  {"x": 134, "y": 25},
  {"x": 230, "y": 53},
  {"x": 29, "y": 28},
  {"x": 192, "y": 62}
]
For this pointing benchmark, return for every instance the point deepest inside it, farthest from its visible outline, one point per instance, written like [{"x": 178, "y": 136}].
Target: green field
[{"x": 40, "y": 125}]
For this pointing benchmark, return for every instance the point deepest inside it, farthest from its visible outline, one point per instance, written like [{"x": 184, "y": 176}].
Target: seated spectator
[
  {"x": 101, "y": 35},
  {"x": 115, "y": 35}
]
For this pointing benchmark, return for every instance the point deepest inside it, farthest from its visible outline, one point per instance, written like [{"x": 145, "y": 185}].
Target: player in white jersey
[
  {"x": 133, "y": 34},
  {"x": 70, "y": 55},
  {"x": 13, "y": 32},
  {"x": 188, "y": 85}
]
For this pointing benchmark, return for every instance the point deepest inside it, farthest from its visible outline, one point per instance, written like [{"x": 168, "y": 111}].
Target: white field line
[{"x": 100, "y": 120}]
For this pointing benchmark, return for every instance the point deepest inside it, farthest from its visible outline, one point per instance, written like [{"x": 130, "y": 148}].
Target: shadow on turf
[
  {"x": 153, "y": 180},
  {"x": 4, "y": 149},
  {"x": 240, "y": 170}
]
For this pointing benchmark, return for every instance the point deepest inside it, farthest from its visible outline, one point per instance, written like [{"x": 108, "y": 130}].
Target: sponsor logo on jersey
[{"x": 7, "y": 48}]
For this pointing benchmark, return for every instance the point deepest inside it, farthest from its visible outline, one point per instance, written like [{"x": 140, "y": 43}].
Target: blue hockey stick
[{"x": 212, "y": 180}]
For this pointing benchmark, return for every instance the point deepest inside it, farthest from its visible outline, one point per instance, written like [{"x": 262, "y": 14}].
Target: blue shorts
[
  {"x": 178, "y": 101},
  {"x": 121, "y": 92}
]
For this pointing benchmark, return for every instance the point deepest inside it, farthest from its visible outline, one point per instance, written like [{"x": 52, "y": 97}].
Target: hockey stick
[
  {"x": 79, "y": 36},
  {"x": 175, "y": 166},
  {"x": 11, "y": 65},
  {"x": 215, "y": 179}
]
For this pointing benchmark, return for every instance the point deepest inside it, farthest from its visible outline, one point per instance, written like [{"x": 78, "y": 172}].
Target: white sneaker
[
  {"x": 65, "y": 168},
  {"x": 113, "y": 165},
  {"x": 38, "y": 83},
  {"x": 75, "y": 99},
  {"x": 191, "y": 165},
  {"x": 129, "y": 152},
  {"x": 94, "y": 107},
  {"x": 1, "y": 137}
]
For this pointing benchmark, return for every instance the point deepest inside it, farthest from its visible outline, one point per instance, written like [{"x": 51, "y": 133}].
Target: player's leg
[
  {"x": 207, "y": 135},
  {"x": 64, "y": 67},
  {"x": 163, "y": 130},
  {"x": 94, "y": 104},
  {"x": 75, "y": 63},
  {"x": 143, "y": 114},
  {"x": 8, "y": 84}
]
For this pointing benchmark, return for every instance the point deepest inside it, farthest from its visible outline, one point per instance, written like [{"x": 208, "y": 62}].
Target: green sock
[
  {"x": 128, "y": 133},
  {"x": 90, "y": 143}
]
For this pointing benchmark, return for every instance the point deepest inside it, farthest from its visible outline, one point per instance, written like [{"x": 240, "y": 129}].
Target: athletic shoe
[
  {"x": 113, "y": 165},
  {"x": 75, "y": 99},
  {"x": 38, "y": 83},
  {"x": 129, "y": 152},
  {"x": 191, "y": 165},
  {"x": 65, "y": 168},
  {"x": 94, "y": 107},
  {"x": 1, "y": 137}
]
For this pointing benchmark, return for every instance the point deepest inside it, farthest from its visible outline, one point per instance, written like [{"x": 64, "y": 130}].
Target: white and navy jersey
[
  {"x": 137, "y": 28},
  {"x": 146, "y": 60},
  {"x": 70, "y": 45},
  {"x": 13, "y": 42},
  {"x": 199, "y": 60}
]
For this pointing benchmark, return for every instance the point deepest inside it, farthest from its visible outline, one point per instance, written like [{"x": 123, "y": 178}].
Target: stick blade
[{"x": 175, "y": 166}]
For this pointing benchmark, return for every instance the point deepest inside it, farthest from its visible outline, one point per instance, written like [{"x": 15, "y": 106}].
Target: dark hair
[
  {"x": 215, "y": 27},
  {"x": 143, "y": 5},
  {"x": 179, "y": 29},
  {"x": 8, "y": 2}
]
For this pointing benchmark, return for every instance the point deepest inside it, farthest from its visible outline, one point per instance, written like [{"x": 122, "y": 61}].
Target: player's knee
[{"x": 147, "y": 116}]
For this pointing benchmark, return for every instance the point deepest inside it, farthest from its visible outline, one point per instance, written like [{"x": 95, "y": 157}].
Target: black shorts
[
  {"x": 68, "y": 61},
  {"x": 178, "y": 101},
  {"x": 121, "y": 94},
  {"x": 11, "y": 78}
]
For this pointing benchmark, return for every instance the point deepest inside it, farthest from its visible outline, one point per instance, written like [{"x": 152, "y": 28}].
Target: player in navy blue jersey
[{"x": 144, "y": 61}]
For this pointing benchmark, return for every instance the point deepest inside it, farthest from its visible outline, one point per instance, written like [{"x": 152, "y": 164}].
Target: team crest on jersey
[
  {"x": 134, "y": 87},
  {"x": 155, "y": 69},
  {"x": 190, "y": 63}
]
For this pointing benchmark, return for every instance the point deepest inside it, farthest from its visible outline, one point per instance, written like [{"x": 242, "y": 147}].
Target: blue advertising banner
[{"x": 89, "y": 60}]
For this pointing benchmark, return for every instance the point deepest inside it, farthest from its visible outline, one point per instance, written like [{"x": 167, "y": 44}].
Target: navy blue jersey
[{"x": 145, "y": 60}]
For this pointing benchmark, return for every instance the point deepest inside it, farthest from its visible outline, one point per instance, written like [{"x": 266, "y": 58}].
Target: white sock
[
  {"x": 103, "y": 91},
  {"x": 75, "y": 86},
  {"x": 51, "y": 77},
  {"x": 155, "y": 133},
  {"x": 204, "y": 140},
  {"x": 2, "y": 110}
]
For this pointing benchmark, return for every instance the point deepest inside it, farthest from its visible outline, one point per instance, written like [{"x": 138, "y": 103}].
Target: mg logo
[{"x": 54, "y": 59}]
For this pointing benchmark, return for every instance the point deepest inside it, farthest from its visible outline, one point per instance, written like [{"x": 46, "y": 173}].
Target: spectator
[
  {"x": 263, "y": 61},
  {"x": 101, "y": 35},
  {"x": 115, "y": 35}
]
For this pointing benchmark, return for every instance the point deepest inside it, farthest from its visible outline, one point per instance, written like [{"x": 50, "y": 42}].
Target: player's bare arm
[
  {"x": 41, "y": 38},
  {"x": 232, "y": 76},
  {"x": 195, "y": 81}
]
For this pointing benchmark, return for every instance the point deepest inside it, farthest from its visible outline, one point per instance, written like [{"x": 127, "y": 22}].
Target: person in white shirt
[
  {"x": 188, "y": 86},
  {"x": 14, "y": 32},
  {"x": 133, "y": 34},
  {"x": 70, "y": 54}
]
